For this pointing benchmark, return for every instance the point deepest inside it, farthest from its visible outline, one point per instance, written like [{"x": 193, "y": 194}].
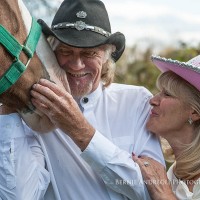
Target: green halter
[{"x": 15, "y": 48}]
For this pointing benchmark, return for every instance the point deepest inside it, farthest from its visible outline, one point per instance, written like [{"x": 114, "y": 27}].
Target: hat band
[{"x": 80, "y": 25}]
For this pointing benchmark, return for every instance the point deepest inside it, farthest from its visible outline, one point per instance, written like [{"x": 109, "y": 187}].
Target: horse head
[{"x": 16, "y": 19}]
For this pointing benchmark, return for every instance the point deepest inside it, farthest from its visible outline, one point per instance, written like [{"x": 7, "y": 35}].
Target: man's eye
[
  {"x": 89, "y": 54},
  {"x": 66, "y": 53},
  {"x": 63, "y": 51}
]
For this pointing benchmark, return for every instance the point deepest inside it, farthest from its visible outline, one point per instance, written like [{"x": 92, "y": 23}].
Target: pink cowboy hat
[{"x": 190, "y": 71}]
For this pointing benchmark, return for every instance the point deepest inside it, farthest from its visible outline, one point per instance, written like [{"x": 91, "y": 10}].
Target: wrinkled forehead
[
  {"x": 65, "y": 46},
  {"x": 55, "y": 43}
]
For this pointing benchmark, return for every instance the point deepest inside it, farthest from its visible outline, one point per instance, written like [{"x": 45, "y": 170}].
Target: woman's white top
[{"x": 181, "y": 189}]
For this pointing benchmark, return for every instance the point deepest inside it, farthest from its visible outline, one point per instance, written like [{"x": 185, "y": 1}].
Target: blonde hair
[
  {"x": 187, "y": 165},
  {"x": 108, "y": 68}
]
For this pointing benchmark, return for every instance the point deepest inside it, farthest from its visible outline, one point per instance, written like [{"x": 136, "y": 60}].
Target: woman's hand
[{"x": 155, "y": 178}]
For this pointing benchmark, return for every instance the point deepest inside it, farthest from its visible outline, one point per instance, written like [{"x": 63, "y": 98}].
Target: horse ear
[{"x": 45, "y": 28}]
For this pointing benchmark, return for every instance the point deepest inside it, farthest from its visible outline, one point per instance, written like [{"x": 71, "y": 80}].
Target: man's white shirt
[{"x": 104, "y": 171}]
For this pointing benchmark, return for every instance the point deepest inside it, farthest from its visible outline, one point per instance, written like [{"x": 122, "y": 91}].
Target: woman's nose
[{"x": 155, "y": 100}]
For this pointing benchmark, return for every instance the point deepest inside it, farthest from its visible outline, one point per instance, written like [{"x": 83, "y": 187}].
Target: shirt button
[{"x": 85, "y": 100}]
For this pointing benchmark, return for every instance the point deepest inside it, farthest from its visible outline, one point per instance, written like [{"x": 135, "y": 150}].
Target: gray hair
[{"x": 108, "y": 68}]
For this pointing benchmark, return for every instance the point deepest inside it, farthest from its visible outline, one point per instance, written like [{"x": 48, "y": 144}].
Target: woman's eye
[{"x": 167, "y": 94}]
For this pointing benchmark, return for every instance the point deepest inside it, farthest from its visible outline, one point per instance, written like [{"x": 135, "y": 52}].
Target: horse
[{"x": 15, "y": 84}]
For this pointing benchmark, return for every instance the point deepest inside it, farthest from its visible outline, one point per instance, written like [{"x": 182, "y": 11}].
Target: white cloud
[
  {"x": 163, "y": 20},
  {"x": 134, "y": 10},
  {"x": 153, "y": 20}
]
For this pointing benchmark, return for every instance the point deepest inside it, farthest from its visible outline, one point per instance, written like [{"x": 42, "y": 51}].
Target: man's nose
[{"x": 76, "y": 63}]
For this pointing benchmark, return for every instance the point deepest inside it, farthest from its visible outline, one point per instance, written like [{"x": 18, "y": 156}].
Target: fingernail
[
  {"x": 33, "y": 86},
  {"x": 43, "y": 80}
]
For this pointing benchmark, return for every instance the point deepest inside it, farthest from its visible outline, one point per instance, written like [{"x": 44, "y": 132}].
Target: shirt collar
[{"x": 91, "y": 99}]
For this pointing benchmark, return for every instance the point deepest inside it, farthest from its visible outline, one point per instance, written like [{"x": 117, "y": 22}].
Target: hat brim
[
  {"x": 88, "y": 39},
  {"x": 187, "y": 71}
]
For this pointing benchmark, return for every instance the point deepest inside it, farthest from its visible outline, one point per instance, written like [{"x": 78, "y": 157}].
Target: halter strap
[{"x": 15, "y": 48}]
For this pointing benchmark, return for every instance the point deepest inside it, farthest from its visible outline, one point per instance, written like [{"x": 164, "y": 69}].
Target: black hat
[{"x": 84, "y": 23}]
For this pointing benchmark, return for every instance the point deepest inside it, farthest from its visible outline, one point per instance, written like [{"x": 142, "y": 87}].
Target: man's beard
[{"x": 78, "y": 91}]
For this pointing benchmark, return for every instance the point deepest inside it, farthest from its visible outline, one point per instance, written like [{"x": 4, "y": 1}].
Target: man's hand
[{"x": 63, "y": 111}]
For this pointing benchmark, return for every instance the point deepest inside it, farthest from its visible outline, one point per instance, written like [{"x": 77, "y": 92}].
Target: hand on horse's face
[
  {"x": 63, "y": 111},
  {"x": 53, "y": 100}
]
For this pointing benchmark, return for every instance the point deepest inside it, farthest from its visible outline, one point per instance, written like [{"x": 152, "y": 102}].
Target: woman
[{"x": 175, "y": 116}]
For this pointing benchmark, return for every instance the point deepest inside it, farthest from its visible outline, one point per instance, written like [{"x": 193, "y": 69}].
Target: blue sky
[{"x": 158, "y": 22}]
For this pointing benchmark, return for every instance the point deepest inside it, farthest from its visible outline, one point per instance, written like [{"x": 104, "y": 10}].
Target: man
[{"x": 99, "y": 124}]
